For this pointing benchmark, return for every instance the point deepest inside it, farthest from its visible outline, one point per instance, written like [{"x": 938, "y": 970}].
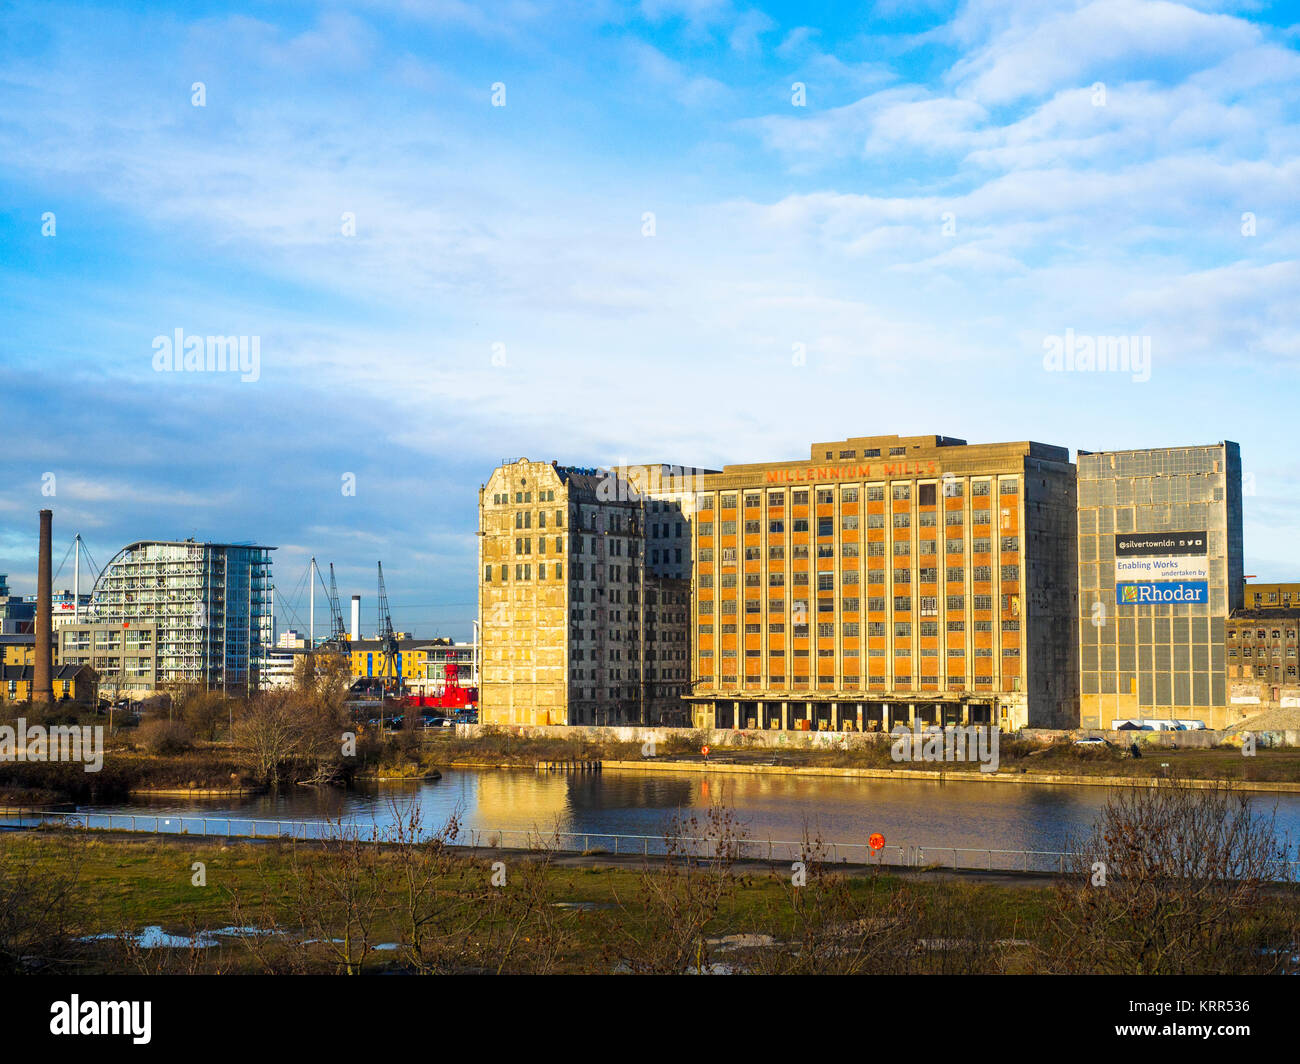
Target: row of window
[
  {"x": 901, "y": 492},
  {"x": 524, "y": 519},
  {"x": 525, "y": 545},
  {"x": 902, "y": 548},
  {"x": 706, "y": 654},
  {"x": 525, "y": 572},
  {"x": 850, "y": 629},
  {"x": 874, "y": 628},
  {"x": 929, "y": 605},
  {"x": 870, "y": 452},
  {"x": 902, "y": 682},
  {"x": 980, "y": 574},
  {"x": 503, "y": 498}
]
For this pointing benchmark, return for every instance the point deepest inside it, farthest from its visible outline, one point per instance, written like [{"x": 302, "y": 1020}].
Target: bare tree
[
  {"x": 205, "y": 713},
  {"x": 200, "y": 954},
  {"x": 322, "y": 680},
  {"x": 281, "y": 734}
]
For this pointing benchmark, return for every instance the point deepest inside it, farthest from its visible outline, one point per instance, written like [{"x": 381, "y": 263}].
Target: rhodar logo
[{"x": 1130, "y": 593}]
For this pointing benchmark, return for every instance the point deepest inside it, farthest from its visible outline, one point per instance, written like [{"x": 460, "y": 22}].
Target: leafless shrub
[
  {"x": 281, "y": 734},
  {"x": 41, "y": 902},
  {"x": 206, "y": 713},
  {"x": 334, "y": 896},
  {"x": 1175, "y": 880},
  {"x": 339, "y": 898},
  {"x": 664, "y": 927},
  {"x": 164, "y": 737},
  {"x": 197, "y": 956}
]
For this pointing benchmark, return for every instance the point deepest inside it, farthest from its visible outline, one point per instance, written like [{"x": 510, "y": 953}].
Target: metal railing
[{"x": 569, "y": 842}]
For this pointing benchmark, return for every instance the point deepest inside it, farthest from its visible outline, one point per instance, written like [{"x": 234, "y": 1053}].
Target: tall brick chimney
[{"x": 43, "y": 683}]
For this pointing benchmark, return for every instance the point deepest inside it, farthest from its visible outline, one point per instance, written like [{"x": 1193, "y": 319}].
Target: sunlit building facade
[
  {"x": 584, "y": 594},
  {"x": 887, "y": 579},
  {"x": 1160, "y": 571}
]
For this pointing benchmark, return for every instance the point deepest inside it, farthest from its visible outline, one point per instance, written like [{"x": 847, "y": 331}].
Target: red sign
[
  {"x": 883, "y": 469},
  {"x": 704, "y": 750}
]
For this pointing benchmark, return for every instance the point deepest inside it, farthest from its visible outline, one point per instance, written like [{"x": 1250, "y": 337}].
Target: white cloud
[{"x": 1101, "y": 39}]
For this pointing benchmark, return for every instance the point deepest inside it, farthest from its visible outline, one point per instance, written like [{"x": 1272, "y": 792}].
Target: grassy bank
[
  {"x": 498, "y": 747},
  {"x": 205, "y": 766},
  {"x": 1016, "y": 756},
  {"x": 366, "y": 908},
  {"x": 124, "y": 770}
]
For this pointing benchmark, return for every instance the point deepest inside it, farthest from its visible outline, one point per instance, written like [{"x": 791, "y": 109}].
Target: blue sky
[{"x": 961, "y": 182}]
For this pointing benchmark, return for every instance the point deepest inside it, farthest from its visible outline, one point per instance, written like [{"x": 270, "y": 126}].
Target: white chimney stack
[{"x": 356, "y": 618}]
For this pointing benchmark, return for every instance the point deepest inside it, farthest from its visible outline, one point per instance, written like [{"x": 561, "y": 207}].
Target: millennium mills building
[
  {"x": 881, "y": 580},
  {"x": 887, "y": 580}
]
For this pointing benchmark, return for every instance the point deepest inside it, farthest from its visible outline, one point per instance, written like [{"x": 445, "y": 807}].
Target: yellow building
[
  {"x": 367, "y": 659},
  {"x": 1272, "y": 596},
  {"x": 72, "y": 682}
]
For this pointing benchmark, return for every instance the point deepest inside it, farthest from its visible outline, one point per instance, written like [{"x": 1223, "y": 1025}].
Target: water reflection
[{"x": 775, "y": 808}]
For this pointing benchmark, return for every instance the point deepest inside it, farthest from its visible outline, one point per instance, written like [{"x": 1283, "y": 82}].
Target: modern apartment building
[
  {"x": 578, "y": 624},
  {"x": 887, "y": 579},
  {"x": 1160, "y": 570},
  {"x": 209, "y": 606},
  {"x": 124, "y": 655}
]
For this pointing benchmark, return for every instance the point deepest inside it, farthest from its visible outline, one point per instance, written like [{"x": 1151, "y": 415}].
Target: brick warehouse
[{"x": 888, "y": 579}]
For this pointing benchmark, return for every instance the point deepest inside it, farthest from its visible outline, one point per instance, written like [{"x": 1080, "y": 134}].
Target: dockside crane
[
  {"x": 338, "y": 633},
  {"x": 389, "y": 670}
]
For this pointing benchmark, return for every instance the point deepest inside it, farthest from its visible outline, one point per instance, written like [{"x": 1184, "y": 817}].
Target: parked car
[{"x": 1092, "y": 740}]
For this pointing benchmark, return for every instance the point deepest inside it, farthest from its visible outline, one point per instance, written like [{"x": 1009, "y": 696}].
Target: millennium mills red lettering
[{"x": 846, "y": 472}]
